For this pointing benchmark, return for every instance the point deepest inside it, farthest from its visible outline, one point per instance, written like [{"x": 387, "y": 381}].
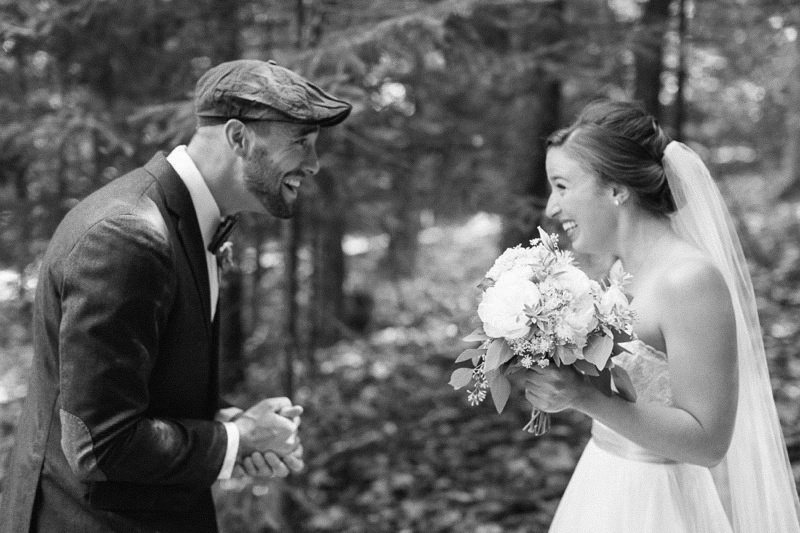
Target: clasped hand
[
  {"x": 269, "y": 445},
  {"x": 553, "y": 388}
]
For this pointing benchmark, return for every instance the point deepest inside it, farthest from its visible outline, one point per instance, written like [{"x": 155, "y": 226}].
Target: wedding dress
[{"x": 620, "y": 487}]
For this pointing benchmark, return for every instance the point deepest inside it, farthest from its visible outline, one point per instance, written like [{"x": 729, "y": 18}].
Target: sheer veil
[{"x": 755, "y": 479}]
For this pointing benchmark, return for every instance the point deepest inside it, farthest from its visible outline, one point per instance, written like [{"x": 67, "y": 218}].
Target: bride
[{"x": 701, "y": 449}]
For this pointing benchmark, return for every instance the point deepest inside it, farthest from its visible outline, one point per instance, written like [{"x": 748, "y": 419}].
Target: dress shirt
[{"x": 208, "y": 216}]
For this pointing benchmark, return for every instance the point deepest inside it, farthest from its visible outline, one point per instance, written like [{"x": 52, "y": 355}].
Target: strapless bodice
[{"x": 649, "y": 371}]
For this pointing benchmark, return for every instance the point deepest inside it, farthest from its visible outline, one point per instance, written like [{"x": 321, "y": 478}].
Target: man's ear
[{"x": 238, "y": 137}]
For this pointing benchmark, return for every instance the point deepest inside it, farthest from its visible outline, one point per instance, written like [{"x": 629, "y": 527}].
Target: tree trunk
[
  {"x": 253, "y": 276},
  {"x": 292, "y": 234},
  {"x": 680, "y": 96},
  {"x": 533, "y": 117},
  {"x": 534, "y": 114},
  {"x": 648, "y": 51},
  {"x": 231, "y": 336},
  {"x": 23, "y": 253},
  {"x": 224, "y": 14},
  {"x": 225, "y": 17},
  {"x": 791, "y": 153},
  {"x": 403, "y": 226},
  {"x": 329, "y": 262}
]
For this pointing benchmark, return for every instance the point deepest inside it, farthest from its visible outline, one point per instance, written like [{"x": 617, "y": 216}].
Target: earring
[{"x": 616, "y": 202}]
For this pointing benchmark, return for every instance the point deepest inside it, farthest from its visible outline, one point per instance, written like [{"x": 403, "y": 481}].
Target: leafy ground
[{"x": 391, "y": 448}]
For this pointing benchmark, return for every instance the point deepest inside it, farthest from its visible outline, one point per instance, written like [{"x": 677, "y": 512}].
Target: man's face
[{"x": 282, "y": 156}]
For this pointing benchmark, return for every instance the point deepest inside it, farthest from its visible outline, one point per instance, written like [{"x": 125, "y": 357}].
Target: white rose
[
  {"x": 517, "y": 258},
  {"x": 579, "y": 315},
  {"x": 575, "y": 281},
  {"x": 581, "y": 319},
  {"x": 502, "y": 308}
]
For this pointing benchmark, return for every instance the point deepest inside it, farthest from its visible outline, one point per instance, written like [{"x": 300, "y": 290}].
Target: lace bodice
[
  {"x": 648, "y": 370},
  {"x": 649, "y": 373}
]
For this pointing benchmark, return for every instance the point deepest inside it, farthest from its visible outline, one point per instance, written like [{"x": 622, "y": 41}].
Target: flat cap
[{"x": 249, "y": 89}]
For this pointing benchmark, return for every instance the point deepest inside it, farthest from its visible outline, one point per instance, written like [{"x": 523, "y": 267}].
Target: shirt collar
[{"x": 205, "y": 206}]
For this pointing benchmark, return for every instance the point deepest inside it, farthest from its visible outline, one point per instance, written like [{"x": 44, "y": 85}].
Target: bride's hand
[{"x": 553, "y": 388}]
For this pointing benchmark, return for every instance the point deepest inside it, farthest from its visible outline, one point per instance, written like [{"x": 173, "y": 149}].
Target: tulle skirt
[{"x": 609, "y": 493}]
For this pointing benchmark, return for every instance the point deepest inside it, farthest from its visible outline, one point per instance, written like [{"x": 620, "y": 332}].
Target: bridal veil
[{"x": 754, "y": 480}]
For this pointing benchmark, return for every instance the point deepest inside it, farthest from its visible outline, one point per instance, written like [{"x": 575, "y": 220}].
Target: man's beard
[{"x": 262, "y": 179}]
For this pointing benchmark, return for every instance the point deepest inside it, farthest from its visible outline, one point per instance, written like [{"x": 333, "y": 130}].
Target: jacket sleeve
[{"x": 117, "y": 285}]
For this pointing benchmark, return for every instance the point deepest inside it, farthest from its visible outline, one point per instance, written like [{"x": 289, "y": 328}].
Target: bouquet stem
[{"x": 539, "y": 423}]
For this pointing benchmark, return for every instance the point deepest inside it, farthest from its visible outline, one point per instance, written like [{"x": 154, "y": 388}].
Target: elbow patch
[{"x": 76, "y": 442}]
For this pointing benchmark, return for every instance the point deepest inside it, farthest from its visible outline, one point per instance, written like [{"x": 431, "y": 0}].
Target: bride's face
[{"x": 581, "y": 203}]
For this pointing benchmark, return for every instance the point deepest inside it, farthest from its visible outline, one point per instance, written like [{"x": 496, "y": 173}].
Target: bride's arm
[{"x": 699, "y": 330}]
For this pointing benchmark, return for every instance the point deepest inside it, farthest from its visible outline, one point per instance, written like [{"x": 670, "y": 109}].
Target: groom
[{"x": 122, "y": 428}]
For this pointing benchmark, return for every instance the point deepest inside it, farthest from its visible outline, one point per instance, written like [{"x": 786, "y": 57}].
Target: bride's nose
[{"x": 552, "y": 209}]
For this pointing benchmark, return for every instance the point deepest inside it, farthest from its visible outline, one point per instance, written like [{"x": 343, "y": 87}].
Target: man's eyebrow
[{"x": 308, "y": 129}]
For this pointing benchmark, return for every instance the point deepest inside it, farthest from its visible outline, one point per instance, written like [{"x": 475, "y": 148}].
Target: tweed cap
[{"x": 249, "y": 89}]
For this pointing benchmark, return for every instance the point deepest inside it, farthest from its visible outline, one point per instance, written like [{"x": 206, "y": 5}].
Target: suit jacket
[{"x": 117, "y": 431}]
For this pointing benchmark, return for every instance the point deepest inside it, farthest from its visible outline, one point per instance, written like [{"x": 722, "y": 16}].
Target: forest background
[{"x": 356, "y": 307}]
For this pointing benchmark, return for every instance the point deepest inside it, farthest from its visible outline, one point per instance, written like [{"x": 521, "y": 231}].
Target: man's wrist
[{"x": 228, "y": 414}]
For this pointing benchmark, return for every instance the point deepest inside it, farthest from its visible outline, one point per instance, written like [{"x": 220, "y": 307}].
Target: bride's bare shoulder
[{"x": 689, "y": 276}]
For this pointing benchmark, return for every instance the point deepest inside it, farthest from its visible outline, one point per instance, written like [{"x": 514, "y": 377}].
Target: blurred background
[{"x": 356, "y": 307}]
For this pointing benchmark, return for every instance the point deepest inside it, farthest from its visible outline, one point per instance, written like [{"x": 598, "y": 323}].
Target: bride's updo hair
[{"x": 622, "y": 144}]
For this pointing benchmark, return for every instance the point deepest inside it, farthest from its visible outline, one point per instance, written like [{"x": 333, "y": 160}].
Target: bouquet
[{"x": 537, "y": 308}]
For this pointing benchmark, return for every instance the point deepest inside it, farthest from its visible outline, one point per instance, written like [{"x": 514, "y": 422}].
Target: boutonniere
[{"x": 225, "y": 256}]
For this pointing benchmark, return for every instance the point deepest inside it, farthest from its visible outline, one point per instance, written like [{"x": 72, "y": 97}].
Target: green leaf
[
  {"x": 598, "y": 350},
  {"x": 543, "y": 236},
  {"x": 621, "y": 336},
  {"x": 618, "y": 276},
  {"x": 500, "y": 387},
  {"x": 493, "y": 355},
  {"x": 618, "y": 349},
  {"x": 460, "y": 378},
  {"x": 603, "y": 383},
  {"x": 623, "y": 383},
  {"x": 476, "y": 335},
  {"x": 567, "y": 353},
  {"x": 586, "y": 368},
  {"x": 497, "y": 354},
  {"x": 549, "y": 242},
  {"x": 470, "y": 353}
]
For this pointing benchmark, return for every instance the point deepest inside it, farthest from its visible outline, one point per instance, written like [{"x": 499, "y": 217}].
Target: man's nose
[{"x": 311, "y": 163}]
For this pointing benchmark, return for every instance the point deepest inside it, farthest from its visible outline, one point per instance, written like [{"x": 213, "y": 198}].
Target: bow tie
[{"x": 224, "y": 229}]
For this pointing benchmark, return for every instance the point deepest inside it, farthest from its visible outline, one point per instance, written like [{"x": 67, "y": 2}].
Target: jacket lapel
[{"x": 179, "y": 203}]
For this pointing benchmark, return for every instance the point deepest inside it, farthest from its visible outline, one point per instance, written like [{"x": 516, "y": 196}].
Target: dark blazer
[{"x": 116, "y": 433}]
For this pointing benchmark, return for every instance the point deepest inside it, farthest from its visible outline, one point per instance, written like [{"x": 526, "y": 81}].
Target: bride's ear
[{"x": 619, "y": 194}]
